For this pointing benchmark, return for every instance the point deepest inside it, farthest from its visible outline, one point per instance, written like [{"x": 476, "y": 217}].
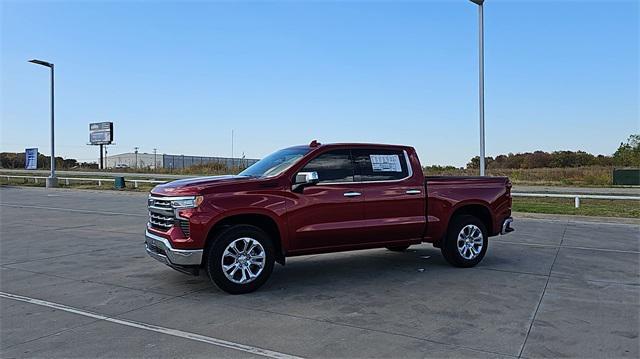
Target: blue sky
[{"x": 180, "y": 76}]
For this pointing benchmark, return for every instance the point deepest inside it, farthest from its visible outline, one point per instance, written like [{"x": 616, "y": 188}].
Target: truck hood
[{"x": 194, "y": 186}]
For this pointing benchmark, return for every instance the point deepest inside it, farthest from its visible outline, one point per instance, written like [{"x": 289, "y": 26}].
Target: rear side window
[
  {"x": 332, "y": 166},
  {"x": 380, "y": 165}
]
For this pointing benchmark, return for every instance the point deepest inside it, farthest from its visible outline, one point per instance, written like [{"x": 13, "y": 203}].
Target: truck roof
[{"x": 315, "y": 144}]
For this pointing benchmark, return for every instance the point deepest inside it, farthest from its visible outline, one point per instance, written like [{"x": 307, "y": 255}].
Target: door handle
[
  {"x": 352, "y": 194},
  {"x": 413, "y": 191}
]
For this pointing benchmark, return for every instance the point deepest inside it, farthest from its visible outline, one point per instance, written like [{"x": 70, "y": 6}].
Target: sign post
[{"x": 101, "y": 133}]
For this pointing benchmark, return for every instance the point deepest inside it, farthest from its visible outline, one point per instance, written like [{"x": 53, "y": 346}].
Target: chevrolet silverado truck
[{"x": 318, "y": 199}]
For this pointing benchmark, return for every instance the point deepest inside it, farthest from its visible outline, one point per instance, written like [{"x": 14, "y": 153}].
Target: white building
[
  {"x": 151, "y": 161},
  {"x": 144, "y": 160}
]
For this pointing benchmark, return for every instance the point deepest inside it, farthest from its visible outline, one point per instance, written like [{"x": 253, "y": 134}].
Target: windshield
[{"x": 275, "y": 163}]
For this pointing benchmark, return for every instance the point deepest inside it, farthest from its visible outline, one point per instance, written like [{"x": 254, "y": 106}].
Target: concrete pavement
[{"x": 553, "y": 288}]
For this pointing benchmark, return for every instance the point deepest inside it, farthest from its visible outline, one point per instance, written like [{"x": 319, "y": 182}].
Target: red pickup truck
[{"x": 317, "y": 199}]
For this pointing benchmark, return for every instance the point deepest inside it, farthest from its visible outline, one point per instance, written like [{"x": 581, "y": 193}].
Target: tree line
[
  {"x": 627, "y": 155},
  {"x": 17, "y": 160}
]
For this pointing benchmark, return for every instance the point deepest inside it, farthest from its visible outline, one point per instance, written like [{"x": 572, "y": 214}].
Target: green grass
[
  {"x": 588, "y": 207},
  {"x": 592, "y": 176}
]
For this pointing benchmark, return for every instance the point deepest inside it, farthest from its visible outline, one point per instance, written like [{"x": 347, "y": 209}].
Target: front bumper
[
  {"x": 160, "y": 249},
  {"x": 506, "y": 226}
]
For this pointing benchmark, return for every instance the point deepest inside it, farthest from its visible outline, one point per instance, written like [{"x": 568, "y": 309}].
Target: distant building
[
  {"x": 153, "y": 161},
  {"x": 145, "y": 160}
]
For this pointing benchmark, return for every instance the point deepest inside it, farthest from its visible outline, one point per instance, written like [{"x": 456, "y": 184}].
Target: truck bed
[{"x": 446, "y": 193}]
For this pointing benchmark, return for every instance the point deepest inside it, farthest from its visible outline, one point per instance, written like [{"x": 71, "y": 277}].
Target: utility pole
[
  {"x": 232, "y": 149},
  {"x": 155, "y": 160},
  {"x": 480, "y": 4},
  {"x": 136, "y": 152}
]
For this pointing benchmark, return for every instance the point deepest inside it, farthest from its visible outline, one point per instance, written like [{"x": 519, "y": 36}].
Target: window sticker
[{"x": 385, "y": 163}]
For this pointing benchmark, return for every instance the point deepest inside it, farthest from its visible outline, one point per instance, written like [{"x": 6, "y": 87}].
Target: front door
[{"x": 330, "y": 213}]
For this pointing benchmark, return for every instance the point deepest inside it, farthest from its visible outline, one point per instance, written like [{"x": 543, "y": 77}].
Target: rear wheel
[
  {"x": 241, "y": 259},
  {"x": 466, "y": 242},
  {"x": 397, "y": 248}
]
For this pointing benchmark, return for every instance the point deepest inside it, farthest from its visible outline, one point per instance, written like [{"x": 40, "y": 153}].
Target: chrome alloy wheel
[
  {"x": 470, "y": 241},
  {"x": 243, "y": 260}
]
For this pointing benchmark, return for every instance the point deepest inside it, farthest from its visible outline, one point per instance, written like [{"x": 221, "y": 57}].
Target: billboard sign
[
  {"x": 31, "y": 158},
  {"x": 101, "y": 133}
]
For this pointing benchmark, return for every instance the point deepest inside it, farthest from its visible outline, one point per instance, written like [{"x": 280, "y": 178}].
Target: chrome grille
[
  {"x": 162, "y": 222},
  {"x": 161, "y": 214},
  {"x": 158, "y": 204}
]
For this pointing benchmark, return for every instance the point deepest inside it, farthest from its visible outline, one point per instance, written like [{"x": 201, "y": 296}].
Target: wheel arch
[
  {"x": 260, "y": 220},
  {"x": 478, "y": 210}
]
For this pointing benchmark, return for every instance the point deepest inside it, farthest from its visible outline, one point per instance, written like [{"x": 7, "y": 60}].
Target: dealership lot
[{"x": 552, "y": 288}]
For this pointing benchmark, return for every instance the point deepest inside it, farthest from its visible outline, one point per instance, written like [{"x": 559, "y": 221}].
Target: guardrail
[
  {"x": 576, "y": 197},
  {"x": 67, "y": 180},
  {"x": 71, "y": 174}
]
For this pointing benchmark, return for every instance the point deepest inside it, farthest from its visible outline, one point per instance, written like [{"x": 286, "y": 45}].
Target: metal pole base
[{"x": 52, "y": 182}]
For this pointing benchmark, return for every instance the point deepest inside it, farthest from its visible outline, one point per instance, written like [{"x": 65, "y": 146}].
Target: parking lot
[{"x": 76, "y": 282}]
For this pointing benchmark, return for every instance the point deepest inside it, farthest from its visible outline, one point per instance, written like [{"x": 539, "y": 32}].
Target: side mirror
[
  {"x": 304, "y": 179},
  {"x": 307, "y": 177}
]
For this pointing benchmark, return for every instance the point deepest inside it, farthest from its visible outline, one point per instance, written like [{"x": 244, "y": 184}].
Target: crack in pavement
[{"x": 544, "y": 290}]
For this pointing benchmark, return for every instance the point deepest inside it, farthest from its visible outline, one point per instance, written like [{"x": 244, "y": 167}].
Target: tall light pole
[
  {"x": 52, "y": 181},
  {"x": 481, "y": 80}
]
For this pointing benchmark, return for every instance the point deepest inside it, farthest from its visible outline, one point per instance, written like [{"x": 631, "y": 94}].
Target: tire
[
  {"x": 230, "y": 249},
  {"x": 461, "y": 247},
  {"x": 397, "y": 248}
]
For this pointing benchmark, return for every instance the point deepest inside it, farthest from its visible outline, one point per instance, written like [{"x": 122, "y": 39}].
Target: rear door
[
  {"x": 394, "y": 196},
  {"x": 330, "y": 213}
]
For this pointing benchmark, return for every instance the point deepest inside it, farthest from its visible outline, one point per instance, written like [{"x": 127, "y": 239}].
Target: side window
[
  {"x": 380, "y": 165},
  {"x": 332, "y": 166}
]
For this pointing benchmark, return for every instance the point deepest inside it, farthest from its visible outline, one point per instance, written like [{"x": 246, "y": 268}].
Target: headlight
[{"x": 187, "y": 202}]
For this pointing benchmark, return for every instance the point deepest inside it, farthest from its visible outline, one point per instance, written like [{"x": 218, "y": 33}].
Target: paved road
[{"x": 551, "y": 289}]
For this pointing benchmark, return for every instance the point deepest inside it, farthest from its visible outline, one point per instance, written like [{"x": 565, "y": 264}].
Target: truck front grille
[
  {"x": 160, "y": 222},
  {"x": 161, "y": 215},
  {"x": 160, "y": 204}
]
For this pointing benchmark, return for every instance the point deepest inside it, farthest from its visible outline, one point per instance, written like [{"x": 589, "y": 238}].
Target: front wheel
[
  {"x": 241, "y": 259},
  {"x": 466, "y": 242}
]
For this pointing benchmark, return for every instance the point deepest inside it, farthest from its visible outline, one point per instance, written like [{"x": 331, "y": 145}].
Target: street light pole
[
  {"x": 481, "y": 80},
  {"x": 51, "y": 181}
]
